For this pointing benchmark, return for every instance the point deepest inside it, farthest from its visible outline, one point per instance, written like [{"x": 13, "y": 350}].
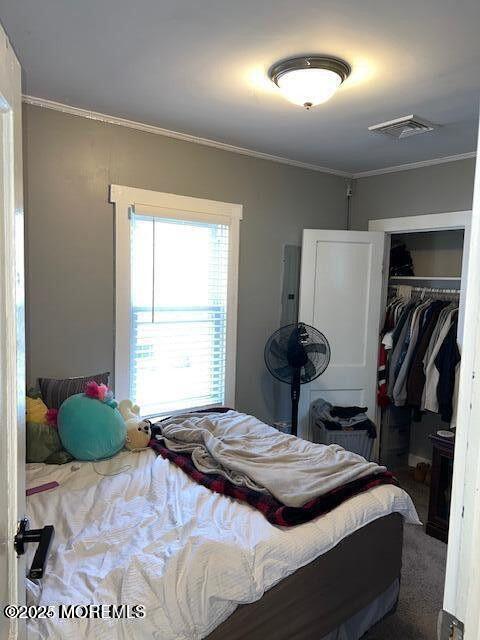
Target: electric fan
[{"x": 296, "y": 354}]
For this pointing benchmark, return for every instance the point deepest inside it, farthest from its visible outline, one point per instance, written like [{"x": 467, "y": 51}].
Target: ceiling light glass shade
[
  {"x": 309, "y": 86},
  {"x": 310, "y": 80}
]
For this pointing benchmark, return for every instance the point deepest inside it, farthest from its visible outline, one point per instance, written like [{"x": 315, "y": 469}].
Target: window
[{"x": 176, "y": 312}]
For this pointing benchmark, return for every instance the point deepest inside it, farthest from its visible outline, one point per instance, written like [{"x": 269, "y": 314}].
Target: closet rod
[
  {"x": 453, "y": 293},
  {"x": 426, "y": 278},
  {"x": 426, "y": 289}
]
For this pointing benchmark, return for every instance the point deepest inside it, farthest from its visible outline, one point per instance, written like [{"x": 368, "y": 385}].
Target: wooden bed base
[{"x": 318, "y": 598}]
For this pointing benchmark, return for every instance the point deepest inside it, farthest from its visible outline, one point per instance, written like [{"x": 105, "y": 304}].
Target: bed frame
[{"x": 316, "y": 600}]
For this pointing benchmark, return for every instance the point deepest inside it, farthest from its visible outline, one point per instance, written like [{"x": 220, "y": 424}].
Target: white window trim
[{"x": 158, "y": 203}]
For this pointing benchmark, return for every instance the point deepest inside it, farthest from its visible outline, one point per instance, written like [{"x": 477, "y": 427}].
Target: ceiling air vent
[{"x": 403, "y": 127}]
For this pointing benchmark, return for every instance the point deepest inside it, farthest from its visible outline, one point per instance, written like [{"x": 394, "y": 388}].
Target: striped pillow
[{"x": 54, "y": 391}]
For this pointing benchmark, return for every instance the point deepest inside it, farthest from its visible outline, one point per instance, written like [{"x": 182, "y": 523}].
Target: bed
[{"x": 137, "y": 530}]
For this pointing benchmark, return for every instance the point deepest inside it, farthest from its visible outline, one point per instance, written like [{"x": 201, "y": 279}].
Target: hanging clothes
[
  {"x": 400, "y": 387},
  {"x": 432, "y": 374},
  {"x": 399, "y": 338},
  {"x": 447, "y": 363},
  {"x": 391, "y": 319},
  {"x": 382, "y": 387},
  {"x": 416, "y": 376},
  {"x": 418, "y": 355}
]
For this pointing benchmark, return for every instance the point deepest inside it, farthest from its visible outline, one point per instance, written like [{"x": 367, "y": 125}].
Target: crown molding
[
  {"x": 415, "y": 165},
  {"x": 185, "y": 137}
]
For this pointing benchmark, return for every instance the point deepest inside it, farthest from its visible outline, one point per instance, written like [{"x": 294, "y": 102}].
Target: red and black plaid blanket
[{"x": 273, "y": 510}]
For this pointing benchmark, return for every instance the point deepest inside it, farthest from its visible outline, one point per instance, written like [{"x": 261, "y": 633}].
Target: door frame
[
  {"x": 12, "y": 332},
  {"x": 463, "y": 573},
  {"x": 12, "y": 335},
  {"x": 459, "y": 558}
]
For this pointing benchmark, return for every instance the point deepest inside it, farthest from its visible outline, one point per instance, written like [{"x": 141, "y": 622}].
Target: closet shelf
[{"x": 429, "y": 278}]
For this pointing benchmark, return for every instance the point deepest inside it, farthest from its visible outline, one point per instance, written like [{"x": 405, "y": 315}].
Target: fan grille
[{"x": 297, "y": 347}]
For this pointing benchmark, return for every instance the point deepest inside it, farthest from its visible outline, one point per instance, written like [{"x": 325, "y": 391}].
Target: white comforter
[
  {"x": 151, "y": 536},
  {"x": 245, "y": 449}
]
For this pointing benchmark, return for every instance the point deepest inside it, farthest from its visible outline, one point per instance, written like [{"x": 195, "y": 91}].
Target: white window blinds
[{"x": 179, "y": 276}]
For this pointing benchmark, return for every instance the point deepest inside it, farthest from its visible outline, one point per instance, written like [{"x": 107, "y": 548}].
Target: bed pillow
[{"x": 55, "y": 391}]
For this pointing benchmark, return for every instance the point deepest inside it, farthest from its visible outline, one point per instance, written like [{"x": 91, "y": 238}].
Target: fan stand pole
[{"x": 295, "y": 396}]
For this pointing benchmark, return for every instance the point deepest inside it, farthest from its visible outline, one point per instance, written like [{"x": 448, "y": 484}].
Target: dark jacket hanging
[
  {"x": 446, "y": 362},
  {"x": 416, "y": 376}
]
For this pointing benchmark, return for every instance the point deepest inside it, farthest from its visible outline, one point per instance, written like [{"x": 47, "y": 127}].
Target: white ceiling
[{"x": 199, "y": 67}]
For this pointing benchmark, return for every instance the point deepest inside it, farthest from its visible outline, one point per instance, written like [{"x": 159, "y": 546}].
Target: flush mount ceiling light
[{"x": 309, "y": 80}]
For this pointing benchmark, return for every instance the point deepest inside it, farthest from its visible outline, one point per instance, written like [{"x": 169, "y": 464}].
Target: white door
[
  {"x": 12, "y": 341},
  {"x": 340, "y": 295}
]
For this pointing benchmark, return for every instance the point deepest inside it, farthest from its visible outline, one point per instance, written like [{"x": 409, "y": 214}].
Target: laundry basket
[{"x": 357, "y": 441}]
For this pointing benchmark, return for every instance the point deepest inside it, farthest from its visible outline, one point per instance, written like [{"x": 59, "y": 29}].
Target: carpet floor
[{"x": 423, "y": 577}]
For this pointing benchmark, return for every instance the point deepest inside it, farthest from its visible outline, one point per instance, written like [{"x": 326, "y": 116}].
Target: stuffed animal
[
  {"x": 138, "y": 430},
  {"x": 90, "y": 425},
  {"x": 36, "y": 411}
]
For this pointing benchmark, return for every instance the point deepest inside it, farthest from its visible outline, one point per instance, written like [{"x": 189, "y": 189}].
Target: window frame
[{"x": 143, "y": 201}]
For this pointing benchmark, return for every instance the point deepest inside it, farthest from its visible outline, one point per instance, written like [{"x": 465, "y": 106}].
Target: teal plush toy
[{"x": 89, "y": 424}]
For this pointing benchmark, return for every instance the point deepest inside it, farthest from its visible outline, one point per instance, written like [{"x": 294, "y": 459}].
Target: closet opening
[
  {"x": 425, "y": 269},
  {"x": 421, "y": 334}
]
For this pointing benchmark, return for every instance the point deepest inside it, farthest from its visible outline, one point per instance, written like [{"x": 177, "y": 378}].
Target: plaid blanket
[{"x": 273, "y": 510}]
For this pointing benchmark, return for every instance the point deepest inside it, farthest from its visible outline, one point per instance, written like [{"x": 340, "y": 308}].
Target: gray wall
[
  {"x": 69, "y": 164},
  {"x": 435, "y": 189}
]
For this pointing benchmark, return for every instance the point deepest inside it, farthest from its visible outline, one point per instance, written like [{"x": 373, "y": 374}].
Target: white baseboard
[{"x": 413, "y": 460}]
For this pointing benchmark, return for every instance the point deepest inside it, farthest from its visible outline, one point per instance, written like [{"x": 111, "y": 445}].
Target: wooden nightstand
[{"x": 440, "y": 487}]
